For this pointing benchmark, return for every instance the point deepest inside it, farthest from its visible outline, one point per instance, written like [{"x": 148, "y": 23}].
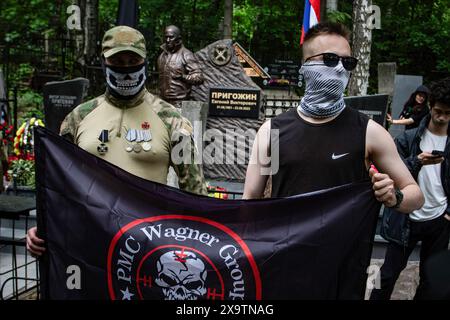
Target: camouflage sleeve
[
  {"x": 183, "y": 153},
  {"x": 70, "y": 124},
  {"x": 68, "y": 127}
]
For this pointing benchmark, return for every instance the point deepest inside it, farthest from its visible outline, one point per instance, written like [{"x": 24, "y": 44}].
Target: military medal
[
  {"x": 146, "y": 137},
  {"x": 146, "y": 146},
  {"x": 103, "y": 148},
  {"x": 145, "y": 125},
  {"x": 140, "y": 138},
  {"x": 130, "y": 137},
  {"x": 137, "y": 148}
]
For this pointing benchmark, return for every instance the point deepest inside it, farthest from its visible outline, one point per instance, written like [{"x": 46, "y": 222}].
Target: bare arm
[
  {"x": 401, "y": 121},
  {"x": 255, "y": 180},
  {"x": 381, "y": 150},
  {"x": 404, "y": 122}
]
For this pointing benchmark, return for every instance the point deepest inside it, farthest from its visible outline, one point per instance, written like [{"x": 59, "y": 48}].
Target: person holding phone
[{"x": 425, "y": 151}]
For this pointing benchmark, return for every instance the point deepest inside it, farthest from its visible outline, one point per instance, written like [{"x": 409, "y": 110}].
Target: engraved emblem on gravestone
[{"x": 220, "y": 54}]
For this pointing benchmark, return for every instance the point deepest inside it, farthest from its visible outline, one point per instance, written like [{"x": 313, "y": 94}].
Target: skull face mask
[{"x": 125, "y": 82}]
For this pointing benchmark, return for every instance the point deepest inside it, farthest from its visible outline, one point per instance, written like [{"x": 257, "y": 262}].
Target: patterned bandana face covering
[
  {"x": 324, "y": 92},
  {"x": 126, "y": 82}
]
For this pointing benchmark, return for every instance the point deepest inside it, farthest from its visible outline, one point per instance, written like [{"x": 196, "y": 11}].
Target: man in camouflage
[{"x": 130, "y": 127}]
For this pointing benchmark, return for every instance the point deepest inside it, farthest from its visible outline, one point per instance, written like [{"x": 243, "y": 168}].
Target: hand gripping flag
[
  {"x": 311, "y": 16},
  {"x": 112, "y": 235}
]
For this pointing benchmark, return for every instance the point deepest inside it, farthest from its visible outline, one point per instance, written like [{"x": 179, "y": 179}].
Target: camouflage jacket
[{"x": 179, "y": 129}]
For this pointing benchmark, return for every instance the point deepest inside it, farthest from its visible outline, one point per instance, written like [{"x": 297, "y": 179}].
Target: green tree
[
  {"x": 269, "y": 29},
  {"x": 414, "y": 33}
]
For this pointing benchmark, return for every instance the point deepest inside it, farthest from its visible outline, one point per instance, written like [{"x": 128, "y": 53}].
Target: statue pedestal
[{"x": 196, "y": 112}]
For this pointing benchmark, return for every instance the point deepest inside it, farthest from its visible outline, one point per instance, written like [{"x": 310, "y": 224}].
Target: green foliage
[
  {"x": 269, "y": 30},
  {"x": 339, "y": 17},
  {"x": 414, "y": 34},
  {"x": 24, "y": 18},
  {"x": 23, "y": 73},
  {"x": 244, "y": 18},
  {"x": 30, "y": 99},
  {"x": 23, "y": 172},
  {"x": 30, "y": 104},
  {"x": 107, "y": 10},
  {"x": 198, "y": 20}
]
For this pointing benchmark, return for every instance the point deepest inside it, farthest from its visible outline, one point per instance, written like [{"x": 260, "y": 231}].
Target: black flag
[
  {"x": 112, "y": 235},
  {"x": 128, "y": 14}
]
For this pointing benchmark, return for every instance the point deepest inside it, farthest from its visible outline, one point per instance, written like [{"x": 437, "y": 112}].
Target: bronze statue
[{"x": 178, "y": 68}]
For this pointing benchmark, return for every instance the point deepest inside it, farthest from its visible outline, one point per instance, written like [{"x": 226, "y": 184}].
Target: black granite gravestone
[
  {"x": 283, "y": 73},
  {"x": 238, "y": 103},
  {"x": 374, "y": 106},
  {"x": 60, "y": 98}
]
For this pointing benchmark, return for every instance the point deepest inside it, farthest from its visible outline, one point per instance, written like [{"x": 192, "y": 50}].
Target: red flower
[{"x": 12, "y": 158}]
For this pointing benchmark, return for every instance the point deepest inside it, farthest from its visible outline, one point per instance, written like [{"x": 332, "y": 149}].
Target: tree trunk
[
  {"x": 228, "y": 19},
  {"x": 193, "y": 25},
  {"x": 79, "y": 35},
  {"x": 362, "y": 42},
  {"x": 332, "y": 5},
  {"x": 323, "y": 11},
  {"x": 90, "y": 31}
]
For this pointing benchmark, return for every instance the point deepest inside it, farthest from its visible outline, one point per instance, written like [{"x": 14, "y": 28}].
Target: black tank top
[{"x": 319, "y": 156}]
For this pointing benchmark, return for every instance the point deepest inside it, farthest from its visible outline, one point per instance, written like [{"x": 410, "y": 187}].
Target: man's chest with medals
[{"x": 136, "y": 140}]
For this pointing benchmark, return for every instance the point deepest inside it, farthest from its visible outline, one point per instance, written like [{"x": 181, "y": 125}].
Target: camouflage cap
[{"x": 123, "y": 38}]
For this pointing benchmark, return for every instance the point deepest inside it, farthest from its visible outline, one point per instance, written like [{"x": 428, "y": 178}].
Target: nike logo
[{"x": 335, "y": 157}]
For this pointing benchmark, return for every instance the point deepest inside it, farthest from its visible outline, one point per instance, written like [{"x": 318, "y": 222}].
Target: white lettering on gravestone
[{"x": 62, "y": 101}]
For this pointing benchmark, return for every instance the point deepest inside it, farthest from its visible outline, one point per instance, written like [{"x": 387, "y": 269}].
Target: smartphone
[{"x": 437, "y": 153}]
